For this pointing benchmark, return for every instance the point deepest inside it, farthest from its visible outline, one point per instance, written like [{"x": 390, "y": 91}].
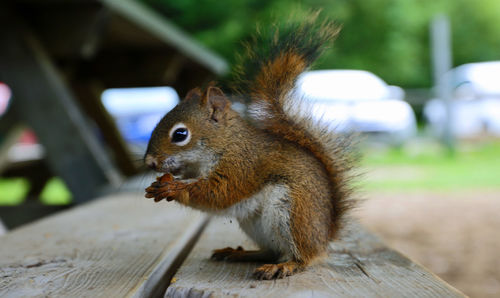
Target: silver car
[
  {"x": 475, "y": 105},
  {"x": 357, "y": 100}
]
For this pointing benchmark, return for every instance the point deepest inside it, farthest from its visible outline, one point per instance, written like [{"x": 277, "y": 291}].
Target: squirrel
[{"x": 283, "y": 176}]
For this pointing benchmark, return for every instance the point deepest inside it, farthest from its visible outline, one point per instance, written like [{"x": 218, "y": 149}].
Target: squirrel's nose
[{"x": 151, "y": 162}]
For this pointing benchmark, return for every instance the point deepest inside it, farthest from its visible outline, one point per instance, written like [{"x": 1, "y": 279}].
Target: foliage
[{"x": 388, "y": 37}]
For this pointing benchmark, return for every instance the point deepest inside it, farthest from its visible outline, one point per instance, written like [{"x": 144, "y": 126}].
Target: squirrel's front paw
[{"x": 165, "y": 187}]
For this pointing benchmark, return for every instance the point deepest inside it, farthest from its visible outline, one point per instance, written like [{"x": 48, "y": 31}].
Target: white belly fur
[{"x": 265, "y": 217}]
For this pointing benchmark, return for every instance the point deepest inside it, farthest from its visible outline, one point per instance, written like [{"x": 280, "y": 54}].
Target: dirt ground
[{"x": 454, "y": 235}]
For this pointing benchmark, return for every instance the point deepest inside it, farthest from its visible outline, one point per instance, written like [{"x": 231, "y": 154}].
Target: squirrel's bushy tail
[{"x": 268, "y": 76}]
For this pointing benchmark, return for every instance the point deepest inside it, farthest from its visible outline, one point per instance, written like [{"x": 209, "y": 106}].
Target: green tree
[{"x": 387, "y": 37}]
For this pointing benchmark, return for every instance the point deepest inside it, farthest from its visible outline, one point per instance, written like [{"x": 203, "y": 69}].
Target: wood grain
[
  {"x": 122, "y": 245},
  {"x": 358, "y": 266}
]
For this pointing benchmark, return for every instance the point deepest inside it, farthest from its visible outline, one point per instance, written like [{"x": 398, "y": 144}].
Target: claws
[
  {"x": 164, "y": 188},
  {"x": 267, "y": 271},
  {"x": 275, "y": 271}
]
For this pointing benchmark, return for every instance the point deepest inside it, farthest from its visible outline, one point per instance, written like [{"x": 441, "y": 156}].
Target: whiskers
[{"x": 137, "y": 183}]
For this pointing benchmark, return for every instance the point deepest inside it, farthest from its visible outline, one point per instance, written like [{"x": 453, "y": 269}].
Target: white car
[
  {"x": 138, "y": 110},
  {"x": 359, "y": 101},
  {"x": 475, "y": 108}
]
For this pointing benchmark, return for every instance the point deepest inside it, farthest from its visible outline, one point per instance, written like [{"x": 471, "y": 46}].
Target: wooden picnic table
[
  {"x": 125, "y": 245},
  {"x": 58, "y": 56}
]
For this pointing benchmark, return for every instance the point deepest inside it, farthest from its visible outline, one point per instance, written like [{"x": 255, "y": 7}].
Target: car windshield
[
  {"x": 341, "y": 85},
  {"x": 135, "y": 101},
  {"x": 485, "y": 76}
]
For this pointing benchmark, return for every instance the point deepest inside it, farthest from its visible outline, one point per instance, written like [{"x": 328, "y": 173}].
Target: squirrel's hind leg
[
  {"x": 276, "y": 271},
  {"x": 241, "y": 255}
]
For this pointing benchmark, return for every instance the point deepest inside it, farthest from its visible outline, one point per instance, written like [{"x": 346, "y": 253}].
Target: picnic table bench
[{"x": 125, "y": 245}]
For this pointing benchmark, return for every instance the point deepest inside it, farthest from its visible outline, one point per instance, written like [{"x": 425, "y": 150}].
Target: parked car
[
  {"x": 138, "y": 110},
  {"x": 359, "y": 101},
  {"x": 475, "y": 107}
]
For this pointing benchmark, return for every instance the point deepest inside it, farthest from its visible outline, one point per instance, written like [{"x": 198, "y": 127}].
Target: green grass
[
  {"x": 14, "y": 190},
  {"x": 55, "y": 193},
  {"x": 429, "y": 167}
]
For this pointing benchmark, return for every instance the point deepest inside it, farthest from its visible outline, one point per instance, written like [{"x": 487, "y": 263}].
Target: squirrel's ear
[
  {"x": 217, "y": 103},
  {"x": 194, "y": 93}
]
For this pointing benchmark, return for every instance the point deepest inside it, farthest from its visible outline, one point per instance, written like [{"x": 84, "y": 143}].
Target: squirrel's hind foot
[
  {"x": 226, "y": 254},
  {"x": 276, "y": 271}
]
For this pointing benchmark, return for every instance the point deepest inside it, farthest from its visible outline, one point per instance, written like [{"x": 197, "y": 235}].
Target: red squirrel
[{"x": 283, "y": 176}]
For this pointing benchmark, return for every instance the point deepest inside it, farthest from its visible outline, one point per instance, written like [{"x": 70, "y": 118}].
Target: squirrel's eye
[{"x": 180, "y": 135}]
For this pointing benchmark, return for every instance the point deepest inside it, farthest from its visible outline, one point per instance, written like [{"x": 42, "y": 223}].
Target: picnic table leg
[{"x": 88, "y": 94}]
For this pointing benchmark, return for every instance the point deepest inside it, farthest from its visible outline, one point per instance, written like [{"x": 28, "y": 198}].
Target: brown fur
[
  {"x": 270, "y": 93},
  {"x": 280, "y": 149}
]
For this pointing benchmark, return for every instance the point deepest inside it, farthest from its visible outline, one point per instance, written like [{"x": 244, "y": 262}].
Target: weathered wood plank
[
  {"x": 151, "y": 22},
  {"x": 358, "y": 266},
  {"x": 119, "y": 246},
  {"x": 136, "y": 24}
]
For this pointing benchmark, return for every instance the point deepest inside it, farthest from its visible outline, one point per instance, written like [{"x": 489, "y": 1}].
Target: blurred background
[{"x": 83, "y": 83}]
